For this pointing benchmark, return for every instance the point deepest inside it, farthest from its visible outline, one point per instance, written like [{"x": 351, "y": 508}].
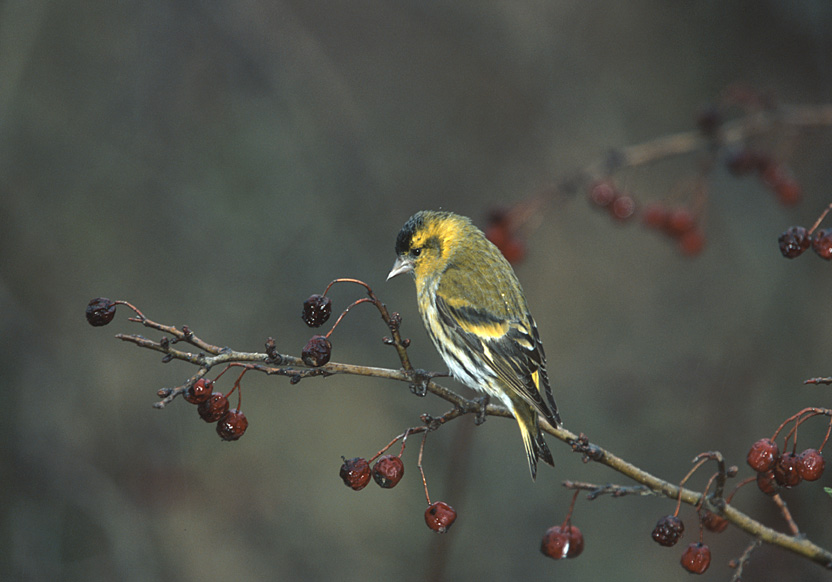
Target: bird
[{"x": 475, "y": 312}]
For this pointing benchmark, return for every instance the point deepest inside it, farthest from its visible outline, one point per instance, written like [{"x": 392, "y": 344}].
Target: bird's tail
[{"x": 536, "y": 447}]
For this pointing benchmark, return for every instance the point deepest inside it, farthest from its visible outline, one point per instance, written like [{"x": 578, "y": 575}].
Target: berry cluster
[
  {"x": 787, "y": 470},
  {"x": 387, "y": 471},
  {"x": 213, "y": 408},
  {"x": 679, "y": 223},
  {"x": 774, "y": 174},
  {"x": 796, "y": 239}
]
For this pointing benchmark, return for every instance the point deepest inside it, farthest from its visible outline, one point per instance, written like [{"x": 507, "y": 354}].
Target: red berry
[
  {"x": 602, "y": 193},
  {"x": 696, "y": 558},
  {"x": 767, "y": 483},
  {"x": 316, "y": 352},
  {"x": 100, "y": 311},
  {"x": 355, "y": 473},
  {"x": 316, "y": 310},
  {"x": 822, "y": 243},
  {"x": 668, "y": 530},
  {"x": 793, "y": 241},
  {"x": 714, "y": 522},
  {"x": 562, "y": 541},
  {"x": 763, "y": 455},
  {"x": 623, "y": 207},
  {"x": 811, "y": 464},
  {"x": 787, "y": 470},
  {"x": 440, "y": 516},
  {"x": 692, "y": 242},
  {"x": 680, "y": 221},
  {"x": 500, "y": 233},
  {"x": 655, "y": 216},
  {"x": 388, "y": 471},
  {"x": 200, "y": 391},
  {"x": 214, "y": 408},
  {"x": 232, "y": 426},
  {"x": 788, "y": 192}
]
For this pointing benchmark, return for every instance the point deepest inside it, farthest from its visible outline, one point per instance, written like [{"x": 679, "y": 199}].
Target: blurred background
[{"x": 215, "y": 163}]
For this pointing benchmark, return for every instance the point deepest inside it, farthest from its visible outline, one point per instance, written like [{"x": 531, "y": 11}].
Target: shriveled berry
[
  {"x": 602, "y": 193},
  {"x": 316, "y": 310},
  {"x": 668, "y": 530},
  {"x": 787, "y": 470},
  {"x": 562, "y": 541},
  {"x": 388, "y": 471},
  {"x": 214, "y": 408},
  {"x": 822, "y": 243},
  {"x": 232, "y": 426},
  {"x": 793, "y": 241},
  {"x": 317, "y": 351},
  {"x": 440, "y": 516},
  {"x": 355, "y": 473},
  {"x": 762, "y": 455},
  {"x": 623, "y": 207},
  {"x": 100, "y": 311},
  {"x": 811, "y": 464},
  {"x": 200, "y": 391},
  {"x": 714, "y": 522},
  {"x": 697, "y": 558},
  {"x": 767, "y": 483}
]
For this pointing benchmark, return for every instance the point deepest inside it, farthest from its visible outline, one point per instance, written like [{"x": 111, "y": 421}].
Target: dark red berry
[
  {"x": 388, "y": 471},
  {"x": 767, "y": 483},
  {"x": 602, "y": 193},
  {"x": 232, "y": 426},
  {"x": 788, "y": 192},
  {"x": 100, "y": 311},
  {"x": 316, "y": 310},
  {"x": 440, "y": 516},
  {"x": 714, "y": 522},
  {"x": 355, "y": 473},
  {"x": 214, "y": 408},
  {"x": 822, "y": 243},
  {"x": 745, "y": 161},
  {"x": 316, "y": 352},
  {"x": 562, "y": 541},
  {"x": 793, "y": 241},
  {"x": 697, "y": 558},
  {"x": 668, "y": 530},
  {"x": 623, "y": 207},
  {"x": 811, "y": 464},
  {"x": 762, "y": 455},
  {"x": 200, "y": 391},
  {"x": 787, "y": 470},
  {"x": 708, "y": 121}
]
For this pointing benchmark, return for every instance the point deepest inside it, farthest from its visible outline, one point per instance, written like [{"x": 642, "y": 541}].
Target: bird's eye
[{"x": 416, "y": 252}]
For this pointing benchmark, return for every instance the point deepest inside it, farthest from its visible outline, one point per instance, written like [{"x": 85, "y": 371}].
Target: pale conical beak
[{"x": 402, "y": 265}]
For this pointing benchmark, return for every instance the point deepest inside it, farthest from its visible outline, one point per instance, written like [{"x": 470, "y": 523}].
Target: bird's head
[{"x": 426, "y": 243}]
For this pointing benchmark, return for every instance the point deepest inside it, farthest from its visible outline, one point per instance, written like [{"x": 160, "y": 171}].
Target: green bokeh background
[{"x": 215, "y": 163}]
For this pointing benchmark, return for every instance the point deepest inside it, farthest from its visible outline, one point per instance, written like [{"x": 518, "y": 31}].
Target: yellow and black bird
[{"x": 476, "y": 314}]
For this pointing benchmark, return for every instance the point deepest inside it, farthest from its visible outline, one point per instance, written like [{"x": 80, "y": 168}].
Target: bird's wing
[{"x": 510, "y": 347}]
